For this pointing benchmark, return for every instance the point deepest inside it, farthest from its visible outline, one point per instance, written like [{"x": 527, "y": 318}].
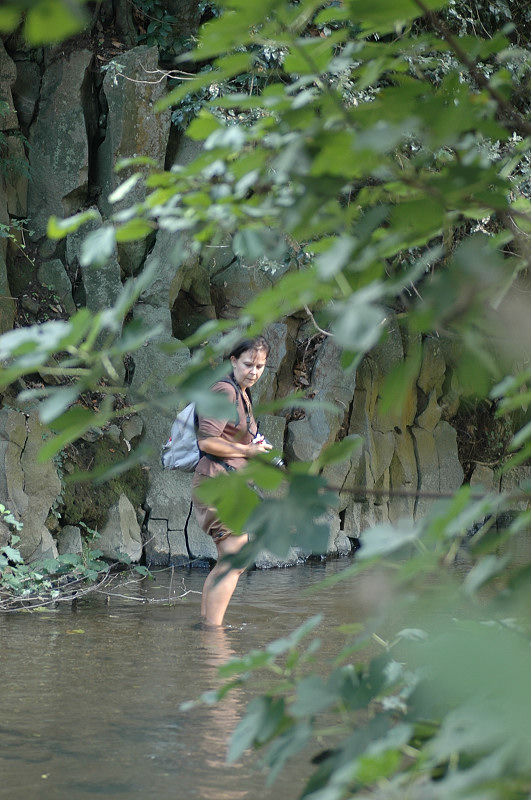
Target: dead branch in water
[{"x": 110, "y": 584}]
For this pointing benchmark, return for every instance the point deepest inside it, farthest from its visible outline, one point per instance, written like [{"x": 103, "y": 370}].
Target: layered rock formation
[{"x": 66, "y": 122}]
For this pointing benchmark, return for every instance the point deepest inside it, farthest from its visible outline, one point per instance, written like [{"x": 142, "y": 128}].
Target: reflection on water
[
  {"x": 91, "y": 697},
  {"x": 218, "y": 720}
]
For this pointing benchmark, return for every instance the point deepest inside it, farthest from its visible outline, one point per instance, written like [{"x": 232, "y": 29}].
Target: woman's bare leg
[{"x": 221, "y": 581}]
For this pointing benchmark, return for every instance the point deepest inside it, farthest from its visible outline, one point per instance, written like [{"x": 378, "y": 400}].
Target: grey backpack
[{"x": 181, "y": 450}]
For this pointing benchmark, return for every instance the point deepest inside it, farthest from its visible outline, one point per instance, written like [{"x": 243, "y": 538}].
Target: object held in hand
[{"x": 277, "y": 461}]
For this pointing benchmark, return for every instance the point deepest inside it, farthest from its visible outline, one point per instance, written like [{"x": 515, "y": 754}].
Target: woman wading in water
[{"x": 227, "y": 444}]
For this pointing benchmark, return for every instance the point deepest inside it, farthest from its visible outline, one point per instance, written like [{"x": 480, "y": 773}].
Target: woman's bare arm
[{"x": 216, "y": 446}]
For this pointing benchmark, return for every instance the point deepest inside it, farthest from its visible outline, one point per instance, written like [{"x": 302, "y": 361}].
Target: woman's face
[{"x": 248, "y": 367}]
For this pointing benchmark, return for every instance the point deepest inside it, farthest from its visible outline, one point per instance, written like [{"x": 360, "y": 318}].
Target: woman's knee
[
  {"x": 239, "y": 571},
  {"x": 231, "y": 545}
]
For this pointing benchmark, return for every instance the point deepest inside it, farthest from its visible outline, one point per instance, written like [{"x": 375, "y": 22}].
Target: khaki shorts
[{"x": 207, "y": 515}]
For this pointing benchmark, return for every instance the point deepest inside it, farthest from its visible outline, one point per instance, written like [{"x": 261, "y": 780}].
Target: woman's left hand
[{"x": 259, "y": 445}]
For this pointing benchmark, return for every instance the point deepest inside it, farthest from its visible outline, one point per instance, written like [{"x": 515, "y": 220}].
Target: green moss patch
[{"x": 83, "y": 501}]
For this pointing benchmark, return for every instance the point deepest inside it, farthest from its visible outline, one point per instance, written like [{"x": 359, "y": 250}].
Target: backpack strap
[
  {"x": 230, "y": 380},
  {"x": 248, "y": 405},
  {"x": 218, "y": 461}
]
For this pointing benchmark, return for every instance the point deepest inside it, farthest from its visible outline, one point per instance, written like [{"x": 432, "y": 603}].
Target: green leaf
[
  {"x": 224, "y": 33},
  {"x": 384, "y": 539},
  {"x": 25, "y": 350},
  {"x": 255, "y": 660},
  {"x": 294, "y": 639},
  {"x": 123, "y": 190},
  {"x": 224, "y": 69},
  {"x": 130, "y": 293},
  {"x": 519, "y": 458},
  {"x": 523, "y": 218},
  {"x": 312, "y": 55},
  {"x": 262, "y": 473},
  {"x": 476, "y": 369},
  {"x": 58, "y": 401},
  {"x": 487, "y": 568},
  {"x": 387, "y": 16},
  {"x": 49, "y": 565},
  {"x": 293, "y": 520},
  {"x": 135, "y": 161},
  {"x": 254, "y": 244},
  {"x": 338, "y": 452},
  {"x": 59, "y": 228},
  {"x": 521, "y": 438},
  {"x": 336, "y": 257},
  {"x": 134, "y": 335},
  {"x": 98, "y": 247},
  {"x": 358, "y": 321},
  {"x": 202, "y": 126},
  {"x": 12, "y": 554},
  {"x": 50, "y": 21},
  {"x": 234, "y": 505},
  {"x": 134, "y": 230},
  {"x": 290, "y": 294},
  {"x": 40, "y": 338},
  {"x": 101, "y": 475},
  {"x": 332, "y": 14},
  {"x": 70, "y": 426},
  {"x": 9, "y": 18},
  {"x": 264, "y": 716},
  {"x": 313, "y": 697},
  {"x": 373, "y": 768},
  {"x": 287, "y": 745},
  {"x": 416, "y": 222},
  {"x": 478, "y": 670},
  {"x": 70, "y": 559}
]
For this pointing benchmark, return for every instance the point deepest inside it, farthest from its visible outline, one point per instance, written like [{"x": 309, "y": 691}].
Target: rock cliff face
[{"x": 65, "y": 122}]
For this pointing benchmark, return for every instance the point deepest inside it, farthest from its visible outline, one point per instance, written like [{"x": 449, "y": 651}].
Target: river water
[{"x": 91, "y": 696}]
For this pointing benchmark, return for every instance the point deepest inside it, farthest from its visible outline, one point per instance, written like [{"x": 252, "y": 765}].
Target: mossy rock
[{"x": 89, "y": 503}]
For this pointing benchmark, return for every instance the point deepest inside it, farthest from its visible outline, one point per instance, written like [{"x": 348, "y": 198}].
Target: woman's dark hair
[{"x": 257, "y": 343}]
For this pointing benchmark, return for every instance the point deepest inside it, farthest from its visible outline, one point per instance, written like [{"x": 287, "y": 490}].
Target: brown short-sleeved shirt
[{"x": 226, "y": 429}]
